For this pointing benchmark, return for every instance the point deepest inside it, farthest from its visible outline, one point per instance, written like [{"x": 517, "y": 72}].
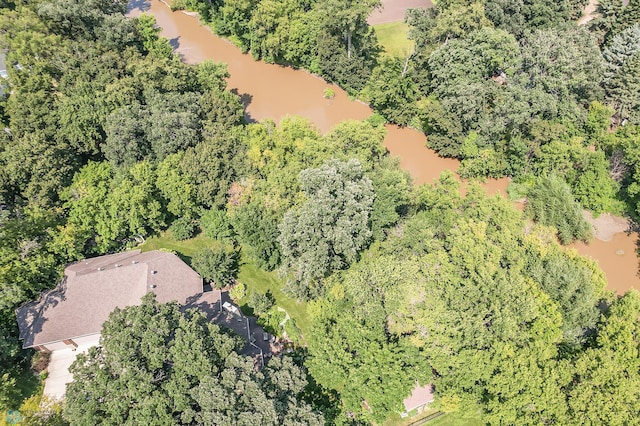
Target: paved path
[
  {"x": 58, "y": 371},
  {"x": 394, "y": 10}
]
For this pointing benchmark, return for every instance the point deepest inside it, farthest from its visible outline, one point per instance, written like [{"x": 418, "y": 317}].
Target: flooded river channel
[{"x": 272, "y": 91}]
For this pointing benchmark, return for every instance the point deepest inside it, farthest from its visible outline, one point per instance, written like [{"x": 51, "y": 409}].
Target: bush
[
  {"x": 271, "y": 320},
  {"x": 261, "y": 302},
  {"x": 215, "y": 224},
  {"x": 551, "y": 203},
  {"x": 292, "y": 330},
  {"x": 182, "y": 228},
  {"x": 218, "y": 264},
  {"x": 238, "y": 292}
]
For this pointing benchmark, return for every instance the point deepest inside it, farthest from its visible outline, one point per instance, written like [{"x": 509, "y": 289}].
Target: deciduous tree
[{"x": 328, "y": 231}]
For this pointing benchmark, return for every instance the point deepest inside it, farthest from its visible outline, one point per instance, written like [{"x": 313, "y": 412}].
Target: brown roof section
[{"x": 93, "y": 288}]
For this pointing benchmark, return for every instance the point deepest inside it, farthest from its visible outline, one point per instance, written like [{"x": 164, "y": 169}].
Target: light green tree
[{"x": 329, "y": 230}]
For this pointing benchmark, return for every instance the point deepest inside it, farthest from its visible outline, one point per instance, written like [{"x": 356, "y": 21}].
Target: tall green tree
[
  {"x": 550, "y": 202},
  {"x": 347, "y": 17},
  {"x": 328, "y": 231},
  {"x": 622, "y": 73},
  {"x": 605, "y": 383},
  {"x": 218, "y": 263}
]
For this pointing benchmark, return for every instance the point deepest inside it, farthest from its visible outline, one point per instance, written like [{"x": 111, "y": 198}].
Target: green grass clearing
[
  {"x": 396, "y": 420},
  {"x": 458, "y": 419},
  {"x": 261, "y": 281},
  {"x": 185, "y": 249},
  {"x": 253, "y": 277},
  {"x": 393, "y": 39}
]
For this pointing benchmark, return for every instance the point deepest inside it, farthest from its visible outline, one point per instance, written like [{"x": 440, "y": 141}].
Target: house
[
  {"x": 419, "y": 400},
  {"x": 72, "y": 314}
]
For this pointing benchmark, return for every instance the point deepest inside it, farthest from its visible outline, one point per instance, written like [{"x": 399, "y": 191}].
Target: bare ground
[
  {"x": 589, "y": 12},
  {"x": 606, "y": 225},
  {"x": 394, "y": 10}
]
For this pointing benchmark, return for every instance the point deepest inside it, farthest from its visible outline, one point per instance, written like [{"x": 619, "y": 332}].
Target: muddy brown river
[{"x": 272, "y": 91}]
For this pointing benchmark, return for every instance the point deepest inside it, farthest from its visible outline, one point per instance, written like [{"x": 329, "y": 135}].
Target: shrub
[
  {"x": 182, "y": 228},
  {"x": 551, "y": 203},
  {"x": 271, "y": 320},
  {"x": 292, "y": 330},
  {"x": 328, "y": 93},
  {"x": 218, "y": 264},
  {"x": 238, "y": 292}
]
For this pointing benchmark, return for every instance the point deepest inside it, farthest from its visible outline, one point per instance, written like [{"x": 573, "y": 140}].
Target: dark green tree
[
  {"x": 261, "y": 302},
  {"x": 257, "y": 229},
  {"x": 392, "y": 92},
  {"x": 622, "y": 73},
  {"x": 215, "y": 224}
]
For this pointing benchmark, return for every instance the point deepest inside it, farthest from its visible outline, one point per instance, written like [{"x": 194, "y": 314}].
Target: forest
[{"x": 110, "y": 139}]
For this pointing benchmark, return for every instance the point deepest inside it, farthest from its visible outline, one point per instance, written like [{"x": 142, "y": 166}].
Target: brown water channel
[{"x": 272, "y": 91}]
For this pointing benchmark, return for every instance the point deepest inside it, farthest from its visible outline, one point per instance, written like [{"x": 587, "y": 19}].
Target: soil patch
[
  {"x": 606, "y": 225},
  {"x": 394, "y": 10},
  {"x": 588, "y": 12}
]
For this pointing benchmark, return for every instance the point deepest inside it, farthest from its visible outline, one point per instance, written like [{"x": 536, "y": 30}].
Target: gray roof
[{"x": 93, "y": 288}]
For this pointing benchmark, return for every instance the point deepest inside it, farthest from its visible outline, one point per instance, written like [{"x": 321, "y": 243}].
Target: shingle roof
[{"x": 93, "y": 288}]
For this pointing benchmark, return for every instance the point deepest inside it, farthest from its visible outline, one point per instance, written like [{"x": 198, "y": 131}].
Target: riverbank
[
  {"x": 606, "y": 226},
  {"x": 272, "y": 92},
  {"x": 394, "y": 10}
]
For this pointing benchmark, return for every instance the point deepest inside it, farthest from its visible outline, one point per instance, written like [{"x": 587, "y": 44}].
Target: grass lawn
[
  {"x": 262, "y": 281},
  {"x": 253, "y": 277},
  {"x": 457, "y": 419},
  {"x": 185, "y": 249},
  {"x": 393, "y": 38},
  {"x": 396, "y": 420}
]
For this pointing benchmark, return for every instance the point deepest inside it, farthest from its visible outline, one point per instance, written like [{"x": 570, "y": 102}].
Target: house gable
[{"x": 93, "y": 288}]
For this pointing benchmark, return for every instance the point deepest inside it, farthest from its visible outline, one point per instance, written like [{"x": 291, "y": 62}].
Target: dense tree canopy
[
  {"x": 110, "y": 139},
  {"x": 328, "y": 231},
  {"x": 158, "y": 365},
  {"x": 461, "y": 296}
]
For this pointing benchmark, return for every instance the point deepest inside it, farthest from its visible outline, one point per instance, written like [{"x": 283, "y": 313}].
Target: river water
[{"x": 273, "y": 91}]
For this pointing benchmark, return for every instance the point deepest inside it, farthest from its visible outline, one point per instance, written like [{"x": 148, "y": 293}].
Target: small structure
[
  {"x": 72, "y": 314},
  {"x": 231, "y": 308},
  {"x": 419, "y": 400}
]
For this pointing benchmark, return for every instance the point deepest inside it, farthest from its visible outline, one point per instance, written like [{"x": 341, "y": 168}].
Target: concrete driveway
[{"x": 58, "y": 371}]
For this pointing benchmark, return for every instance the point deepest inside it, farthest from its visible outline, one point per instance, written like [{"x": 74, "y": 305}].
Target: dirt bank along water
[{"x": 272, "y": 91}]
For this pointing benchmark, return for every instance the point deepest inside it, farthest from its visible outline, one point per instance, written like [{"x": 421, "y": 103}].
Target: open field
[
  {"x": 184, "y": 249},
  {"x": 457, "y": 419},
  {"x": 262, "y": 281},
  {"x": 393, "y": 38}
]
